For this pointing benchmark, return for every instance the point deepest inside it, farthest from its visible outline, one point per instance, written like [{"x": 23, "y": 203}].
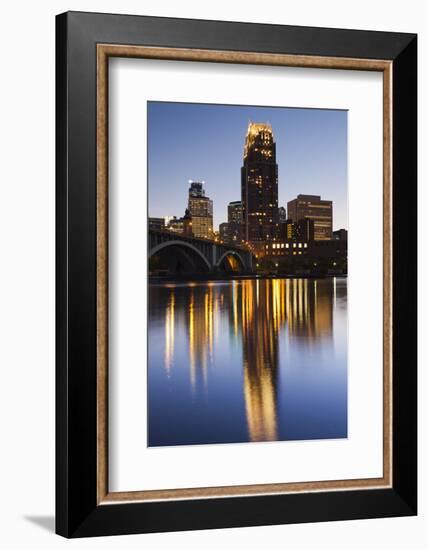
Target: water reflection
[
  {"x": 169, "y": 333},
  {"x": 232, "y": 352}
]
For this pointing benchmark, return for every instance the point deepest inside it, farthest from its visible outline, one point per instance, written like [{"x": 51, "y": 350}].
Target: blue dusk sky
[{"x": 188, "y": 141}]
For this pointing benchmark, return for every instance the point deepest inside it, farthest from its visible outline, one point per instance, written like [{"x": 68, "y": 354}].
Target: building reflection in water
[
  {"x": 260, "y": 312},
  {"x": 304, "y": 308},
  {"x": 200, "y": 325},
  {"x": 169, "y": 332},
  {"x": 259, "y": 325}
]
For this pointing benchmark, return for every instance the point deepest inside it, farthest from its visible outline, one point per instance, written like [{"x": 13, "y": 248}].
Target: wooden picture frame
[{"x": 85, "y": 506}]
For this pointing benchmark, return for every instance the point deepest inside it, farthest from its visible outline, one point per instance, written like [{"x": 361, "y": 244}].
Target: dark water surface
[{"x": 247, "y": 360}]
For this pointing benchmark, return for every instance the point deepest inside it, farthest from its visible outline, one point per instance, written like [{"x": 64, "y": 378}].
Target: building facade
[
  {"x": 340, "y": 235},
  {"x": 224, "y": 231},
  {"x": 259, "y": 186},
  {"x": 235, "y": 221},
  {"x": 235, "y": 212},
  {"x": 157, "y": 224},
  {"x": 175, "y": 224},
  {"x": 325, "y": 256},
  {"x": 311, "y": 207},
  {"x": 200, "y": 210},
  {"x": 303, "y": 230},
  {"x": 282, "y": 215}
]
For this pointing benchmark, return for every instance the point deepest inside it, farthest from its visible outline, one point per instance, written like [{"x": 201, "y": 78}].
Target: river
[{"x": 247, "y": 360}]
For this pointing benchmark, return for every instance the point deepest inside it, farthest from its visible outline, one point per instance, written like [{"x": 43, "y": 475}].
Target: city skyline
[
  {"x": 266, "y": 293},
  {"x": 206, "y": 143}
]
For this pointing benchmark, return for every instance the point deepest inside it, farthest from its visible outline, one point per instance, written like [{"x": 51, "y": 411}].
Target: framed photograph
[{"x": 236, "y": 274}]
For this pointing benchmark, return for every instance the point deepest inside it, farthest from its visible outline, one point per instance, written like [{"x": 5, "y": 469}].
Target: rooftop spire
[{"x": 254, "y": 129}]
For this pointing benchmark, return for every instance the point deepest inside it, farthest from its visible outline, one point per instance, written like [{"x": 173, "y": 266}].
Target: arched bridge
[{"x": 177, "y": 253}]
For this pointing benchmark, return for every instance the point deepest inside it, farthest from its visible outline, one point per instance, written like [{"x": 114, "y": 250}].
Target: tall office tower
[
  {"x": 282, "y": 215},
  {"x": 234, "y": 212},
  {"x": 311, "y": 207},
  {"x": 259, "y": 186},
  {"x": 234, "y": 220},
  {"x": 223, "y": 230},
  {"x": 200, "y": 210},
  {"x": 283, "y": 228}
]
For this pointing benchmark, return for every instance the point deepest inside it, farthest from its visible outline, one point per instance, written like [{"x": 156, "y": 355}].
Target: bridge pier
[{"x": 214, "y": 257}]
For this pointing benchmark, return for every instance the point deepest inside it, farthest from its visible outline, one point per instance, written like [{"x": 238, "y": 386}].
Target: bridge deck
[{"x": 211, "y": 251}]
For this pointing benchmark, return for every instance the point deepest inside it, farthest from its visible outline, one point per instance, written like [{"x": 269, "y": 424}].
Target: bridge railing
[{"x": 181, "y": 236}]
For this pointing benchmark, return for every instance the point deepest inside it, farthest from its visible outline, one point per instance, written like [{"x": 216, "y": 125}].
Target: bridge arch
[
  {"x": 225, "y": 261},
  {"x": 182, "y": 253}
]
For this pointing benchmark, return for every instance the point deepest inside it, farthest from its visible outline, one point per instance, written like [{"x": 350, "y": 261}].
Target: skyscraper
[
  {"x": 234, "y": 212},
  {"x": 200, "y": 210},
  {"x": 282, "y": 215},
  {"x": 223, "y": 230},
  {"x": 235, "y": 221},
  {"x": 259, "y": 186},
  {"x": 311, "y": 207}
]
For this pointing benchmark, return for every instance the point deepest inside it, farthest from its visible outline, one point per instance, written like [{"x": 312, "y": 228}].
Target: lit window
[
  {"x": 287, "y": 245},
  {"x": 294, "y": 245},
  {"x": 300, "y": 245},
  {"x": 305, "y": 245}
]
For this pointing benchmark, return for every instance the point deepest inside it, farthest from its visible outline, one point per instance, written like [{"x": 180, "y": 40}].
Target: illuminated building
[
  {"x": 200, "y": 210},
  {"x": 157, "y": 224},
  {"x": 259, "y": 186},
  {"x": 224, "y": 231},
  {"x": 304, "y": 230},
  {"x": 282, "y": 215},
  {"x": 313, "y": 255},
  {"x": 287, "y": 248},
  {"x": 235, "y": 221},
  {"x": 288, "y": 231},
  {"x": 175, "y": 224},
  {"x": 187, "y": 224},
  {"x": 232, "y": 230},
  {"x": 235, "y": 212},
  {"x": 313, "y": 208}
]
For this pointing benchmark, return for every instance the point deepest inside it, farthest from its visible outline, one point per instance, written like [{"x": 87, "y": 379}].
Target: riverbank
[{"x": 242, "y": 276}]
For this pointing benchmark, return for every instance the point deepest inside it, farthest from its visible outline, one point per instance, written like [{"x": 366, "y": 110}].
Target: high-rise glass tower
[
  {"x": 235, "y": 221},
  {"x": 282, "y": 215},
  {"x": 259, "y": 186},
  {"x": 200, "y": 210}
]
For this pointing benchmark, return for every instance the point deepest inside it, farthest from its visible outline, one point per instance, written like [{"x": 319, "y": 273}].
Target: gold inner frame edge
[{"x": 104, "y": 52}]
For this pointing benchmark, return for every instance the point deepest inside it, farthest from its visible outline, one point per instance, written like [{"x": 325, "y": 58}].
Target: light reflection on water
[{"x": 247, "y": 360}]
